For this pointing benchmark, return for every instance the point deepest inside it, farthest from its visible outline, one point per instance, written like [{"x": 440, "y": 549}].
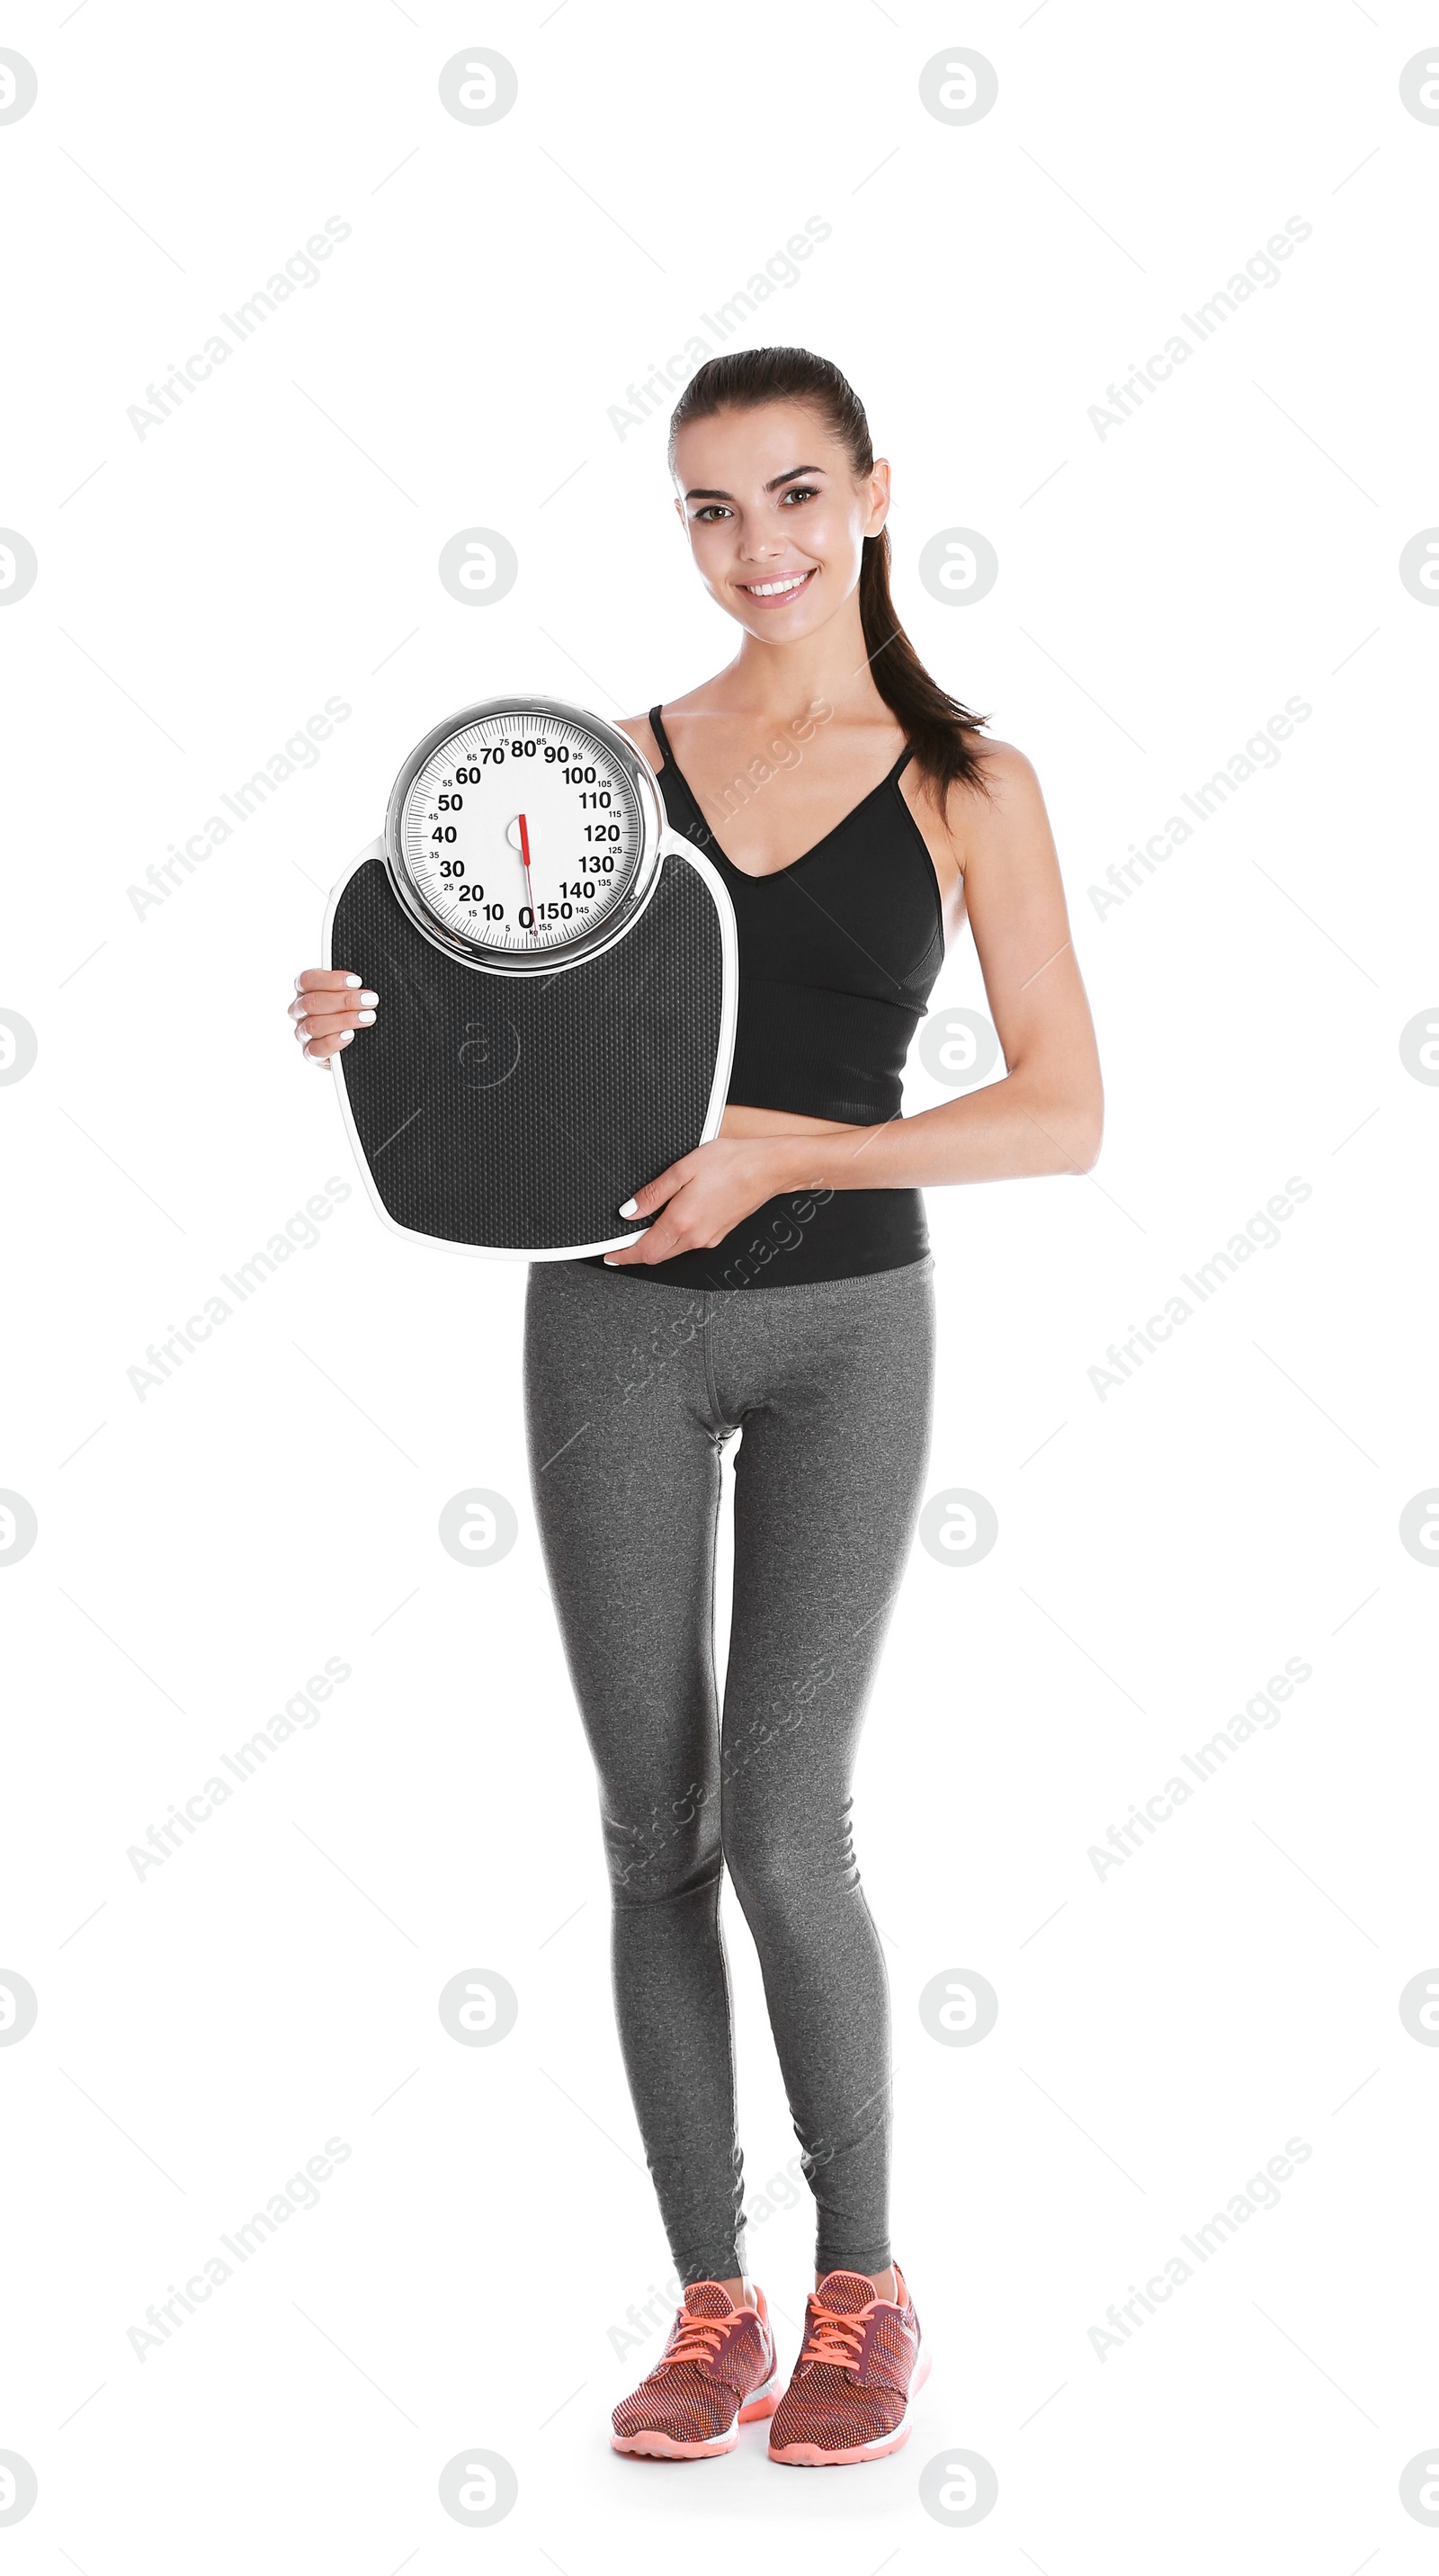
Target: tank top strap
[{"x": 680, "y": 798}]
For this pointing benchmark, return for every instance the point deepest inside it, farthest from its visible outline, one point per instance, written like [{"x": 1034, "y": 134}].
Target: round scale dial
[{"x": 523, "y": 835}]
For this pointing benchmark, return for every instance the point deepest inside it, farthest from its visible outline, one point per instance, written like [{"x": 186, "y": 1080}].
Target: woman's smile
[{"x": 779, "y": 588}]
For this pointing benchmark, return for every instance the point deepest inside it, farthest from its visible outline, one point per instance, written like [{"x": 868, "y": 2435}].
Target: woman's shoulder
[
  {"x": 1001, "y": 766},
  {"x": 641, "y": 734},
  {"x": 1007, "y": 783},
  {"x": 699, "y": 702},
  {"x": 1004, "y": 764},
  {"x": 1010, "y": 798}
]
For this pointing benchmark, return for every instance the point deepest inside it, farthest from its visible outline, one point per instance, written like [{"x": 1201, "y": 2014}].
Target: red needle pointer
[{"x": 529, "y": 880}]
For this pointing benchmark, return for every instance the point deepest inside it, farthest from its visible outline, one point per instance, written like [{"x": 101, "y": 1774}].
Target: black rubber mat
[{"x": 515, "y": 1112}]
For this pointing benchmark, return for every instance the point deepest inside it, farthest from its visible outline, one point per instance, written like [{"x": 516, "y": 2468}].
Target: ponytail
[
  {"x": 936, "y": 727},
  {"x": 933, "y": 721}
]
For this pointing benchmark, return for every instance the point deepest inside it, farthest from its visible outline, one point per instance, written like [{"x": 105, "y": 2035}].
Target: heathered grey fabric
[{"x": 632, "y": 1388}]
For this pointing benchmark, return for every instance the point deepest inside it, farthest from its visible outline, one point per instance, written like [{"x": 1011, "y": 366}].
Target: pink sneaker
[
  {"x": 860, "y": 2364},
  {"x": 718, "y": 2371}
]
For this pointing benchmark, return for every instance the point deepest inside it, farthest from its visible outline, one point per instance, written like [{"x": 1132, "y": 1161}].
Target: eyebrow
[{"x": 790, "y": 477}]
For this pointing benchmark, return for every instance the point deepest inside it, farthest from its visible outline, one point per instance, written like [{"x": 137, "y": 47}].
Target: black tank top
[{"x": 838, "y": 954}]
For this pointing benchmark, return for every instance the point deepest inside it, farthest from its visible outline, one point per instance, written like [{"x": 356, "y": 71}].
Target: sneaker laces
[
  {"x": 697, "y": 2338},
  {"x": 834, "y": 2338}
]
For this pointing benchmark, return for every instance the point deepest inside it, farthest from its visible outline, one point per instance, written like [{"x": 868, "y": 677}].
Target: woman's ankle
[
  {"x": 885, "y": 2284},
  {"x": 740, "y": 2291}
]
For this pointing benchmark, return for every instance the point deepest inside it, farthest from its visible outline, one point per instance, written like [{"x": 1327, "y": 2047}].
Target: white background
[{"x": 204, "y": 1545}]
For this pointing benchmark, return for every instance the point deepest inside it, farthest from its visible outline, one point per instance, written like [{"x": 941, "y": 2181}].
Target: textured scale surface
[{"x": 514, "y": 1113}]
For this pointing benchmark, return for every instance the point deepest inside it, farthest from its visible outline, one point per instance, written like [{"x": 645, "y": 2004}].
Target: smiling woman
[
  {"x": 781, "y": 1293},
  {"x": 851, "y": 866},
  {"x": 938, "y": 728}
]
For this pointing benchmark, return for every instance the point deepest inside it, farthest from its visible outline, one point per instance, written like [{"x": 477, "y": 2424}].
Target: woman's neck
[{"x": 775, "y": 683}]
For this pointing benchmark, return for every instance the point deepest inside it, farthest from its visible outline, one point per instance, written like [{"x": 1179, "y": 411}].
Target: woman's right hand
[{"x": 328, "y": 1007}]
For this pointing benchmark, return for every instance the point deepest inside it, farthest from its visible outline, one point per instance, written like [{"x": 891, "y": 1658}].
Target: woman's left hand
[{"x": 703, "y": 1195}]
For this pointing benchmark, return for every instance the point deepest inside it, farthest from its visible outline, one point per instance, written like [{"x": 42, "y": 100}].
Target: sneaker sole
[
  {"x": 809, "y": 2455},
  {"x": 651, "y": 2444}
]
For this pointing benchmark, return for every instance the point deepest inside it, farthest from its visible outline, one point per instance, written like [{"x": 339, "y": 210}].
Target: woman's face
[{"x": 776, "y": 516}]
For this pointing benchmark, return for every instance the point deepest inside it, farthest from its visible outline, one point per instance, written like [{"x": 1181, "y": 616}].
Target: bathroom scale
[{"x": 558, "y": 976}]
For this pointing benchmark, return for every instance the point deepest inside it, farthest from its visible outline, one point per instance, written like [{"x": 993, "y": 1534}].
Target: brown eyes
[{"x": 797, "y": 492}]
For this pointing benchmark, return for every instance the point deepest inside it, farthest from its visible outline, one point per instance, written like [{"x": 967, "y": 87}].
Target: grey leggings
[{"x": 632, "y": 1387}]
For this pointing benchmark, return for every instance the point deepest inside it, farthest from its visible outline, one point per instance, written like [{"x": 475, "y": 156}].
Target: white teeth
[{"x": 772, "y": 589}]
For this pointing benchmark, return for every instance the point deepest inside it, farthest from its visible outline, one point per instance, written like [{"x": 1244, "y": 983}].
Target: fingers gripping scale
[{"x": 558, "y": 977}]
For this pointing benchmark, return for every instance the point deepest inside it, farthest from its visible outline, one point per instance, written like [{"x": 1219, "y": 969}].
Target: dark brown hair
[{"x": 934, "y": 723}]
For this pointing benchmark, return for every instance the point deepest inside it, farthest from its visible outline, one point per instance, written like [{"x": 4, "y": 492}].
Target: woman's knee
[
  {"x": 670, "y": 1853},
  {"x": 781, "y": 1863}
]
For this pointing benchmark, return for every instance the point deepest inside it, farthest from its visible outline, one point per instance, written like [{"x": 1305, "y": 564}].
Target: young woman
[{"x": 782, "y": 1295}]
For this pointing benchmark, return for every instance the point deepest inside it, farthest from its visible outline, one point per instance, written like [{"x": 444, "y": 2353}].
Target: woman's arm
[{"x": 1046, "y": 1115}]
